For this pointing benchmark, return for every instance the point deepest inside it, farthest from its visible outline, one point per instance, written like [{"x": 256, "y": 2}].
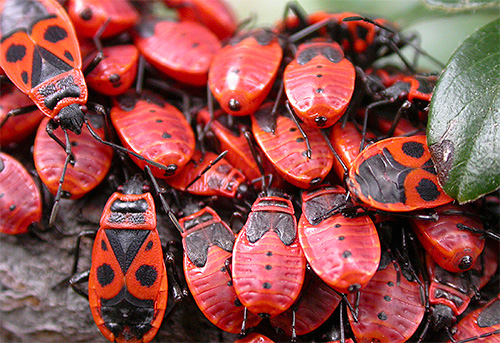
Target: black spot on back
[
  {"x": 104, "y": 246},
  {"x": 68, "y": 55},
  {"x": 428, "y": 190},
  {"x": 146, "y": 275},
  {"x": 55, "y": 33},
  {"x": 382, "y": 316},
  {"x": 266, "y": 285},
  {"x": 15, "y": 53},
  {"x": 86, "y": 14},
  {"x": 166, "y": 135},
  {"x": 149, "y": 246},
  {"x": 105, "y": 274},
  {"x": 413, "y": 149},
  {"x": 24, "y": 76}
]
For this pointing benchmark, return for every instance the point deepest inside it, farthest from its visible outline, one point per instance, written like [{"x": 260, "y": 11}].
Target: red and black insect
[
  {"x": 92, "y": 161},
  {"x": 117, "y": 70},
  {"x": 389, "y": 308},
  {"x": 243, "y": 72},
  {"x": 88, "y": 16},
  {"x": 480, "y": 325},
  {"x": 284, "y": 144},
  {"x": 14, "y": 129},
  {"x": 195, "y": 48},
  {"x": 319, "y": 83},
  {"x": 208, "y": 245},
  {"x": 220, "y": 178},
  {"x": 314, "y": 306},
  {"x": 154, "y": 129},
  {"x": 344, "y": 252},
  {"x": 268, "y": 261},
  {"x": 451, "y": 293},
  {"x": 127, "y": 281},
  {"x": 396, "y": 175},
  {"x": 454, "y": 240},
  {"x": 20, "y": 199},
  {"x": 40, "y": 54},
  {"x": 217, "y": 15}
]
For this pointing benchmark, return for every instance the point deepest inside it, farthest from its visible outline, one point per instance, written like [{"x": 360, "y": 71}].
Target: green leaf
[
  {"x": 462, "y": 5},
  {"x": 463, "y": 131}
]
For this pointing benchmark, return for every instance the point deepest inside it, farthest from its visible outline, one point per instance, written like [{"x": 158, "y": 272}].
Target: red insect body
[
  {"x": 388, "y": 311},
  {"x": 195, "y": 48},
  {"x": 268, "y": 262},
  {"x": 346, "y": 142},
  {"x": 208, "y": 244},
  {"x": 396, "y": 174},
  {"x": 92, "y": 161},
  {"x": 128, "y": 287},
  {"x": 243, "y": 72},
  {"x": 484, "y": 321},
  {"x": 450, "y": 245},
  {"x": 217, "y": 15},
  {"x": 254, "y": 338},
  {"x": 314, "y": 306},
  {"x": 88, "y": 16},
  {"x": 20, "y": 199},
  {"x": 16, "y": 128},
  {"x": 116, "y": 72},
  {"x": 222, "y": 179},
  {"x": 319, "y": 83},
  {"x": 455, "y": 290},
  {"x": 154, "y": 129},
  {"x": 40, "y": 54},
  {"x": 344, "y": 252},
  {"x": 286, "y": 149}
]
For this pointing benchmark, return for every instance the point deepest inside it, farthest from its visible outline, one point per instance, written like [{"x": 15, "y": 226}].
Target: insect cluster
[{"x": 287, "y": 166}]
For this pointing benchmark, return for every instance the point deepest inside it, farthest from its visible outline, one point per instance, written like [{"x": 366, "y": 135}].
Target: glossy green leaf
[{"x": 463, "y": 132}]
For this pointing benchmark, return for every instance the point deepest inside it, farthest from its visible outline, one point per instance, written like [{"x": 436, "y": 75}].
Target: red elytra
[
  {"x": 451, "y": 293},
  {"x": 344, "y": 252},
  {"x": 88, "y": 16},
  {"x": 128, "y": 287},
  {"x": 451, "y": 246},
  {"x": 20, "y": 199},
  {"x": 268, "y": 262},
  {"x": 16, "y": 128},
  {"x": 92, "y": 161},
  {"x": 286, "y": 148},
  {"x": 208, "y": 245},
  {"x": 315, "y": 305},
  {"x": 151, "y": 127},
  {"x": 396, "y": 175},
  {"x": 254, "y": 337},
  {"x": 40, "y": 54},
  {"x": 480, "y": 325},
  {"x": 346, "y": 142},
  {"x": 243, "y": 72},
  {"x": 116, "y": 72},
  {"x": 195, "y": 48},
  {"x": 319, "y": 83},
  {"x": 217, "y": 15},
  {"x": 387, "y": 311},
  {"x": 222, "y": 179}
]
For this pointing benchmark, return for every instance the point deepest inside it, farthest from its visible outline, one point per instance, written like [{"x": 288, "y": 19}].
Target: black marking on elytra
[
  {"x": 346, "y": 254},
  {"x": 387, "y": 298},
  {"x": 198, "y": 242},
  {"x": 261, "y": 222},
  {"x": 413, "y": 149},
  {"x": 126, "y": 244},
  {"x": 390, "y": 284},
  {"x": 331, "y": 53},
  {"x": 266, "y": 285},
  {"x": 12, "y": 207},
  {"x": 15, "y": 53},
  {"x": 149, "y": 246},
  {"x": 86, "y": 14},
  {"x": 194, "y": 45},
  {"x": 490, "y": 315},
  {"x": 24, "y": 77},
  {"x": 381, "y": 190},
  {"x": 341, "y": 238},
  {"x": 268, "y": 267},
  {"x": 300, "y": 140},
  {"x": 55, "y": 33},
  {"x": 319, "y": 90},
  {"x": 428, "y": 190},
  {"x": 269, "y": 253},
  {"x": 237, "y": 302},
  {"x": 104, "y": 246},
  {"x": 68, "y": 55},
  {"x": 166, "y": 135},
  {"x": 105, "y": 274},
  {"x": 146, "y": 275}
]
